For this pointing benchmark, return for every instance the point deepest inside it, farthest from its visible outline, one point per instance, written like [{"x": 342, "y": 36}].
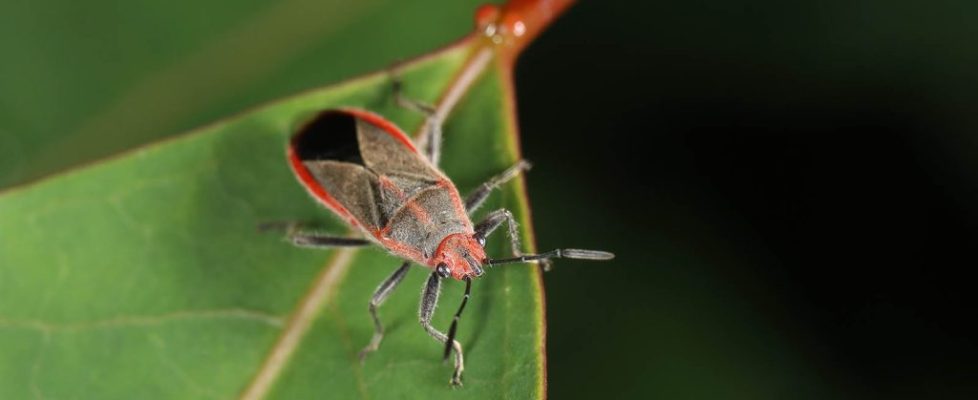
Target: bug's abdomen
[{"x": 426, "y": 219}]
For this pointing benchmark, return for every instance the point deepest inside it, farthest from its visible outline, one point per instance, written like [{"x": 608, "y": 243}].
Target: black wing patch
[{"x": 332, "y": 135}]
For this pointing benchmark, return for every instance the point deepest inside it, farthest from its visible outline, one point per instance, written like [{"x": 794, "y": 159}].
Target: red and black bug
[{"x": 368, "y": 172}]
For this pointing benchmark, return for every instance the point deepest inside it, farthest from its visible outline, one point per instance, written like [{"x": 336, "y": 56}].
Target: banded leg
[
  {"x": 311, "y": 239},
  {"x": 380, "y": 295},
  {"x": 479, "y": 196},
  {"x": 430, "y": 138},
  {"x": 429, "y": 298}
]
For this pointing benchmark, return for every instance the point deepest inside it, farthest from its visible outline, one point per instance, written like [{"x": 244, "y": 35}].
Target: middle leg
[{"x": 479, "y": 196}]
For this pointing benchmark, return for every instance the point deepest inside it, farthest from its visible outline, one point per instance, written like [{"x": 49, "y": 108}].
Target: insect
[{"x": 370, "y": 174}]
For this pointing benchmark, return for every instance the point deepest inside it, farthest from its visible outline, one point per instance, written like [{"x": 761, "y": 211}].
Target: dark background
[{"x": 790, "y": 189}]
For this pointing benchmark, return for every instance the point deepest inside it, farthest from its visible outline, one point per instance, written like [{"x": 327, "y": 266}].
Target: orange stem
[{"x": 515, "y": 24}]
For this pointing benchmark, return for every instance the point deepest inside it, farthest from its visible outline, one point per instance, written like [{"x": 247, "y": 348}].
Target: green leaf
[{"x": 143, "y": 276}]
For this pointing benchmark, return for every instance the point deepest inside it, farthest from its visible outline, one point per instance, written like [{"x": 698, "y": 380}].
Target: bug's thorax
[{"x": 462, "y": 254}]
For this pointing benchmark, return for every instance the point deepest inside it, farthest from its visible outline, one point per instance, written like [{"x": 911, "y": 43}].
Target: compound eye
[
  {"x": 442, "y": 270},
  {"x": 481, "y": 240}
]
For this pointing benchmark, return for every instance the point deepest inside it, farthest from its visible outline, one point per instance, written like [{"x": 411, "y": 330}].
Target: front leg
[
  {"x": 429, "y": 298},
  {"x": 492, "y": 221}
]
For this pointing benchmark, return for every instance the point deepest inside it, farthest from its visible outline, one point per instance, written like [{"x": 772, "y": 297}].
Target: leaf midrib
[{"x": 322, "y": 290}]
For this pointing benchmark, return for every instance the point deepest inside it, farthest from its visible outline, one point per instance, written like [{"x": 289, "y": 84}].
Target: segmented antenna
[{"x": 577, "y": 254}]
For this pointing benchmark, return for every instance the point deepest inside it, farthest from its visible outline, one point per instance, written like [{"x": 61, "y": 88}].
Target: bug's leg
[
  {"x": 479, "y": 196},
  {"x": 429, "y": 298},
  {"x": 430, "y": 138},
  {"x": 311, "y": 239},
  {"x": 383, "y": 291},
  {"x": 492, "y": 221},
  {"x": 408, "y": 103}
]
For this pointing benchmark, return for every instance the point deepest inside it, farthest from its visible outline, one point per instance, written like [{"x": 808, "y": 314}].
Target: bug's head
[{"x": 459, "y": 256}]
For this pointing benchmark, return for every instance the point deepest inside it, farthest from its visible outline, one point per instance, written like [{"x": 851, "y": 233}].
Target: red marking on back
[
  {"x": 419, "y": 213},
  {"x": 403, "y": 250},
  {"x": 389, "y": 185},
  {"x": 460, "y": 211},
  {"x": 317, "y": 190}
]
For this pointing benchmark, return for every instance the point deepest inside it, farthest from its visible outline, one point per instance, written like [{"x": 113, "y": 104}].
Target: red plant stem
[
  {"x": 507, "y": 30},
  {"x": 517, "y": 23}
]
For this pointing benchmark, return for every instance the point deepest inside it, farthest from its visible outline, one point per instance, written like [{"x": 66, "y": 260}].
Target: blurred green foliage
[
  {"x": 790, "y": 189},
  {"x": 83, "y": 81}
]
